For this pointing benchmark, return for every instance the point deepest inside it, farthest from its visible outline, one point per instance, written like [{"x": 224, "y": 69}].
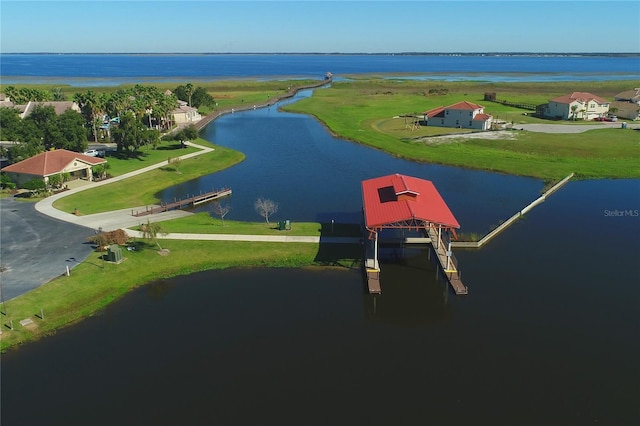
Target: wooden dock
[
  {"x": 448, "y": 263},
  {"x": 373, "y": 276},
  {"x": 186, "y": 202}
]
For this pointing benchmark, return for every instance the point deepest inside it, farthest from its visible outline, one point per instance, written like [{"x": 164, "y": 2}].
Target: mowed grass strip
[
  {"x": 147, "y": 156},
  {"x": 204, "y": 223},
  {"x": 94, "y": 284},
  {"x": 145, "y": 188},
  {"x": 371, "y": 112}
]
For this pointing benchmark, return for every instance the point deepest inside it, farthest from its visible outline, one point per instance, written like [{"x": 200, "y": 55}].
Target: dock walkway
[
  {"x": 448, "y": 263},
  {"x": 190, "y": 201}
]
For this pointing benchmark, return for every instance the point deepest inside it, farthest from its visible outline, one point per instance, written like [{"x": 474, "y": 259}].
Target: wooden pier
[
  {"x": 447, "y": 261},
  {"x": 186, "y": 202},
  {"x": 373, "y": 276}
]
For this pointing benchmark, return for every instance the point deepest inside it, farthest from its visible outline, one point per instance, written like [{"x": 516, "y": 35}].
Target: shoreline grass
[
  {"x": 363, "y": 111},
  {"x": 94, "y": 284}
]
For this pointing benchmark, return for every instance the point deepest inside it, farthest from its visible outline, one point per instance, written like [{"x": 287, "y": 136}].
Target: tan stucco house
[
  {"x": 576, "y": 105},
  {"x": 463, "y": 114},
  {"x": 51, "y": 163},
  {"x": 185, "y": 114},
  {"x": 627, "y": 104}
]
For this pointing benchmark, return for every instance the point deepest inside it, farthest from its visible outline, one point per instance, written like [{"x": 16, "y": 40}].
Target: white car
[{"x": 93, "y": 153}]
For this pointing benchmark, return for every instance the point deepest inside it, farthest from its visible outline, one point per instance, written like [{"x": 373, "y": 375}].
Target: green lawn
[
  {"x": 119, "y": 164},
  {"x": 369, "y": 111},
  {"x": 204, "y": 223}
]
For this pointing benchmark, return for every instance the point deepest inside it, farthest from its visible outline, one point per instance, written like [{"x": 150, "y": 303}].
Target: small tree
[
  {"x": 55, "y": 181},
  {"x": 574, "y": 108},
  {"x": 220, "y": 210},
  {"x": 265, "y": 208},
  {"x": 150, "y": 231}
]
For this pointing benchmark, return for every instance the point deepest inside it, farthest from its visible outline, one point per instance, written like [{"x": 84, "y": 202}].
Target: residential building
[
  {"x": 576, "y": 105},
  {"x": 185, "y": 114},
  {"x": 467, "y": 115},
  {"x": 627, "y": 104},
  {"x": 50, "y": 163}
]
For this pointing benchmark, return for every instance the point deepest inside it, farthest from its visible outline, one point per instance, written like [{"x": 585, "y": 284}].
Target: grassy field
[
  {"x": 144, "y": 189},
  {"x": 204, "y": 223},
  {"x": 369, "y": 111},
  {"x": 119, "y": 165},
  {"x": 94, "y": 284}
]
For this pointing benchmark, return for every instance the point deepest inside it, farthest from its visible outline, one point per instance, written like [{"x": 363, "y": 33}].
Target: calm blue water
[{"x": 118, "y": 69}]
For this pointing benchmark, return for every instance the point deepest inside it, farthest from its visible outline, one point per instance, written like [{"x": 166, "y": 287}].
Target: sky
[{"x": 323, "y": 26}]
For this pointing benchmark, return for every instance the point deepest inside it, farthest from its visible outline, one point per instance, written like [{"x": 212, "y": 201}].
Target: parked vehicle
[
  {"x": 94, "y": 153},
  {"x": 612, "y": 118}
]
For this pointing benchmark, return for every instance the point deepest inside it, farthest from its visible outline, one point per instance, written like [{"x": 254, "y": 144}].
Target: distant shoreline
[{"x": 535, "y": 54}]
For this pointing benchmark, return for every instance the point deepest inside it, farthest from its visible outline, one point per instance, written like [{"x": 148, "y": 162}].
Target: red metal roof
[
  {"x": 51, "y": 162},
  {"x": 399, "y": 198}
]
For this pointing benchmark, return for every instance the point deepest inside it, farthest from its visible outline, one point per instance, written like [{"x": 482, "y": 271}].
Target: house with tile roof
[
  {"x": 466, "y": 115},
  {"x": 627, "y": 104},
  {"x": 50, "y": 163},
  {"x": 576, "y": 105}
]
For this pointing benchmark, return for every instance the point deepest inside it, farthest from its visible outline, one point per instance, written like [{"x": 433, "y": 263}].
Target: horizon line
[{"x": 523, "y": 53}]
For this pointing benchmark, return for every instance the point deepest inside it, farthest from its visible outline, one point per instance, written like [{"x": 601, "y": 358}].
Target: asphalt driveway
[{"x": 35, "y": 248}]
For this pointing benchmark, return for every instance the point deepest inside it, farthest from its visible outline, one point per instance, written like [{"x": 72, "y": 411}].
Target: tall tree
[
  {"x": 129, "y": 135},
  {"x": 189, "y": 90},
  {"x": 66, "y": 131},
  {"x": 92, "y": 107}
]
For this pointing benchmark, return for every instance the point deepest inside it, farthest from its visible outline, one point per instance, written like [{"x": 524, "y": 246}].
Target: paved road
[{"x": 36, "y": 248}]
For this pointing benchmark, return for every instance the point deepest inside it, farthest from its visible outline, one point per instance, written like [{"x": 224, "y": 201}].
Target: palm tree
[
  {"x": 150, "y": 231},
  {"x": 189, "y": 90},
  {"x": 92, "y": 107},
  {"x": 574, "y": 108}
]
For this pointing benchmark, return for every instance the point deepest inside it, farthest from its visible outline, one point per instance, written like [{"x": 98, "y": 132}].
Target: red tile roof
[
  {"x": 482, "y": 117},
  {"x": 463, "y": 105},
  {"x": 436, "y": 112},
  {"x": 580, "y": 97},
  {"x": 383, "y": 204},
  {"x": 51, "y": 162}
]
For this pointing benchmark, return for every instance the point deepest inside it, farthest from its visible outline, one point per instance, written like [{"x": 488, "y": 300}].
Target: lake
[
  {"x": 547, "y": 335},
  {"x": 116, "y": 69}
]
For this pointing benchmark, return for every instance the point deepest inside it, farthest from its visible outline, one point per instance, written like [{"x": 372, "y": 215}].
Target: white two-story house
[{"x": 463, "y": 114}]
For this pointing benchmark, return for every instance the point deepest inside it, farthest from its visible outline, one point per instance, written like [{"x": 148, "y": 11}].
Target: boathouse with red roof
[{"x": 404, "y": 202}]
